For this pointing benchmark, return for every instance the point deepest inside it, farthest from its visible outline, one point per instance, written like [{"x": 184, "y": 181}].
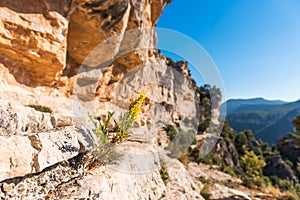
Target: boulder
[
  {"x": 16, "y": 118},
  {"x": 287, "y": 147},
  {"x": 220, "y": 192},
  {"x": 28, "y": 154},
  {"x": 277, "y": 167}
]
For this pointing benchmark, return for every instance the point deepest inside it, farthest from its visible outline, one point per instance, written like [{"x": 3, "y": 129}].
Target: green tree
[
  {"x": 296, "y": 123},
  {"x": 252, "y": 165},
  {"x": 240, "y": 142},
  {"x": 210, "y": 98}
]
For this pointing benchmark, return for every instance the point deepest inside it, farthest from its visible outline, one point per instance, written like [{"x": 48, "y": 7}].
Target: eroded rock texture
[
  {"x": 33, "y": 39},
  {"x": 40, "y": 40},
  {"x": 92, "y": 55}
]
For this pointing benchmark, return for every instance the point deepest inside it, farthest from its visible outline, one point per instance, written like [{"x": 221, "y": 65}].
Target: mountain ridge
[
  {"x": 268, "y": 119},
  {"x": 232, "y": 104}
]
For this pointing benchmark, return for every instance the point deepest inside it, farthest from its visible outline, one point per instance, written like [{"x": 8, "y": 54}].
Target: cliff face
[
  {"x": 33, "y": 39},
  {"x": 102, "y": 54},
  {"x": 45, "y": 46},
  {"x": 44, "y": 43},
  {"x": 90, "y": 48},
  {"x": 41, "y": 40}
]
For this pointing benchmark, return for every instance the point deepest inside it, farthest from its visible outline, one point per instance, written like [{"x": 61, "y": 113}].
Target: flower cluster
[
  {"x": 120, "y": 130},
  {"x": 135, "y": 107}
]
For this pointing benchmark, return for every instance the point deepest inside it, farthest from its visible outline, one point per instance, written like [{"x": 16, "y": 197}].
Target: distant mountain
[
  {"x": 280, "y": 128},
  {"x": 268, "y": 120},
  {"x": 234, "y": 105}
]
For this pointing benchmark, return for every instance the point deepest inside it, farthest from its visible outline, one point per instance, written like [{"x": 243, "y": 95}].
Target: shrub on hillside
[
  {"x": 41, "y": 108},
  {"x": 109, "y": 135},
  {"x": 252, "y": 165},
  {"x": 164, "y": 174}
]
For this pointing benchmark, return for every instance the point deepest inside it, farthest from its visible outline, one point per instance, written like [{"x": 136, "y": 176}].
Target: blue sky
[{"x": 255, "y": 44}]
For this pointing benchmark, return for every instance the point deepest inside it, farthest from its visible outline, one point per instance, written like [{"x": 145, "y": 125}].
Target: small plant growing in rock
[
  {"x": 205, "y": 192},
  {"x": 203, "y": 179},
  {"x": 101, "y": 129},
  {"x": 171, "y": 131},
  {"x": 164, "y": 174},
  {"x": 119, "y": 131},
  {"x": 109, "y": 135},
  {"x": 228, "y": 170},
  {"x": 41, "y": 108},
  {"x": 105, "y": 152},
  {"x": 126, "y": 119}
]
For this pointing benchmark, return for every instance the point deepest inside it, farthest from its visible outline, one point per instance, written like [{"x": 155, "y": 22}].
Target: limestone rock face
[
  {"x": 222, "y": 192},
  {"x": 45, "y": 43},
  {"x": 103, "y": 54},
  {"x": 181, "y": 185},
  {"x": 94, "y": 21},
  {"x": 42, "y": 40},
  {"x": 17, "y": 155},
  {"x": 15, "y": 118},
  {"x": 27, "y": 154},
  {"x": 57, "y": 164},
  {"x": 33, "y": 39}
]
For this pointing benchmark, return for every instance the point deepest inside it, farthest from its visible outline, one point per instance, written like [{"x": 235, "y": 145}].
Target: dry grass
[
  {"x": 184, "y": 158},
  {"x": 272, "y": 190}
]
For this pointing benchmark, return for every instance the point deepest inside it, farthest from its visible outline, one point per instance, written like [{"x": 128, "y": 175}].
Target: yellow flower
[{"x": 135, "y": 106}]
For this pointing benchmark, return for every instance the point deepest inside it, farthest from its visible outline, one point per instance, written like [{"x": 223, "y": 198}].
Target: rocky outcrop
[
  {"x": 15, "y": 118},
  {"x": 45, "y": 43},
  {"x": 90, "y": 55},
  {"x": 70, "y": 179},
  {"x": 104, "y": 19},
  {"x": 110, "y": 40},
  {"x": 225, "y": 193},
  {"x": 42, "y": 40},
  {"x": 33, "y": 38},
  {"x": 277, "y": 167},
  {"x": 229, "y": 154},
  {"x": 181, "y": 184},
  {"x": 287, "y": 148},
  {"x": 56, "y": 163},
  {"x": 28, "y": 154}
]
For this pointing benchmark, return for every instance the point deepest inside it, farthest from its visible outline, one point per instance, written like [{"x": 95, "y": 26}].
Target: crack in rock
[{"x": 36, "y": 144}]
